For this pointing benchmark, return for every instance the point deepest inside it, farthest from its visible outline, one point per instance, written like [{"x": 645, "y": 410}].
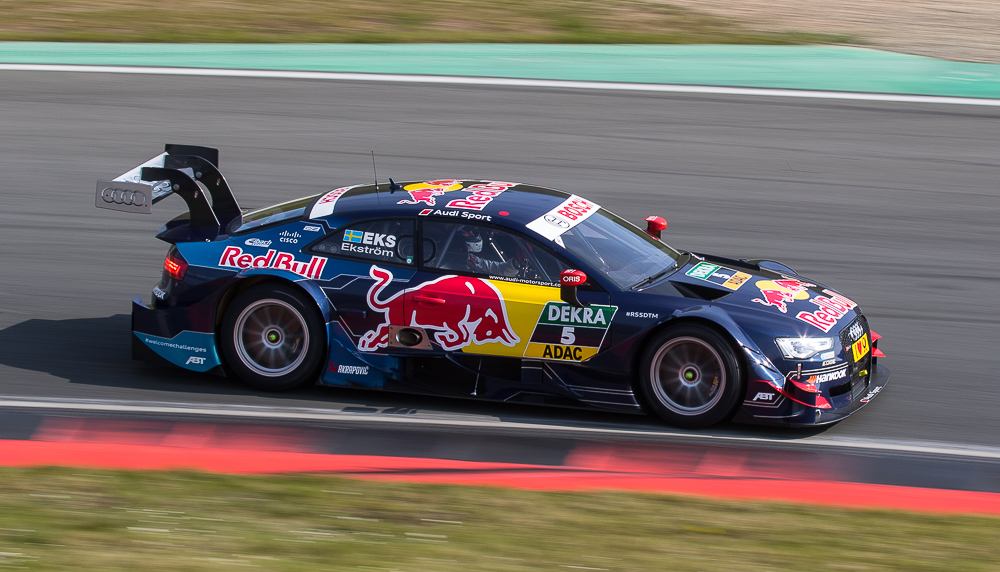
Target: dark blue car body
[{"x": 379, "y": 286}]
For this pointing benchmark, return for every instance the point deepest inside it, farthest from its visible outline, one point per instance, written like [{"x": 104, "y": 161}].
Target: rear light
[{"x": 174, "y": 265}]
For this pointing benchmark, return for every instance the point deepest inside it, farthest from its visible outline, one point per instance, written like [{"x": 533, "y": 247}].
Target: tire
[
  {"x": 691, "y": 377},
  {"x": 273, "y": 338}
]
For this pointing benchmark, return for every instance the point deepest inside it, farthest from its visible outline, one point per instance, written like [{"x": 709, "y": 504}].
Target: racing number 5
[{"x": 568, "y": 337}]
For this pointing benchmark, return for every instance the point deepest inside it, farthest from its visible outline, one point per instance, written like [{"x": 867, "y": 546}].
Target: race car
[{"x": 490, "y": 290}]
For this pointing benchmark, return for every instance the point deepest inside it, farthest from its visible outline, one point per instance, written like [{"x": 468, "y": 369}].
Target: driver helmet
[{"x": 473, "y": 240}]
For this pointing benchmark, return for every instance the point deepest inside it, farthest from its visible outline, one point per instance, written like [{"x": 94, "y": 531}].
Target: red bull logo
[
  {"x": 482, "y": 195},
  {"x": 426, "y": 192},
  {"x": 832, "y": 308},
  {"x": 459, "y": 310},
  {"x": 234, "y": 257},
  {"x": 779, "y": 293}
]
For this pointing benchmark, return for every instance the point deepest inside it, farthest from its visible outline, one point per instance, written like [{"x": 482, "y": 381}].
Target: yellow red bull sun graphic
[
  {"x": 478, "y": 195},
  {"x": 428, "y": 192}
]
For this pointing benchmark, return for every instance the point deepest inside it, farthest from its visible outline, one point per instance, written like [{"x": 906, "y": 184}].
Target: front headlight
[{"x": 803, "y": 348}]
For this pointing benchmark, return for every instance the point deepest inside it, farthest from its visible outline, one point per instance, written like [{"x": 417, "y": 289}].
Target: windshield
[
  {"x": 270, "y": 215},
  {"x": 621, "y": 251}
]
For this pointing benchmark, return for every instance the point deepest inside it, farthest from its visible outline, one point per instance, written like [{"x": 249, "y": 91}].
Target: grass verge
[
  {"x": 384, "y": 21},
  {"x": 74, "y": 519}
]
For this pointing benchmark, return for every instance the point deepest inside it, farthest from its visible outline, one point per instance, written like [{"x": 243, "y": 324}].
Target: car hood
[{"x": 805, "y": 306}]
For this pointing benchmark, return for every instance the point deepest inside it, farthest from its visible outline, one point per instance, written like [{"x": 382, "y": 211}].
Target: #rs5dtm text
[{"x": 491, "y": 290}]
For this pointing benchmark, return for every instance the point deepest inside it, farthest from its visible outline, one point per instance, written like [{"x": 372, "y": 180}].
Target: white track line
[
  {"x": 511, "y": 82},
  {"x": 225, "y": 411}
]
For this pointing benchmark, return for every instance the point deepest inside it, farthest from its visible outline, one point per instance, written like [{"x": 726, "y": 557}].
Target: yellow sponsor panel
[
  {"x": 736, "y": 281},
  {"x": 860, "y": 348},
  {"x": 559, "y": 352},
  {"x": 523, "y": 304}
]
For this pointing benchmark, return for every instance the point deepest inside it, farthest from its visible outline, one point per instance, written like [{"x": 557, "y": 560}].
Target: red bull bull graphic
[
  {"x": 481, "y": 318},
  {"x": 426, "y": 192},
  {"x": 779, "y": 293},
  {"x": 481, "y": 194}
]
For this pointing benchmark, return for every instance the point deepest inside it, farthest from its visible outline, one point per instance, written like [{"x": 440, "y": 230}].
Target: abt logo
[
  {"x": 763, "y": 396},
  {"x": 195, "y": 360}
]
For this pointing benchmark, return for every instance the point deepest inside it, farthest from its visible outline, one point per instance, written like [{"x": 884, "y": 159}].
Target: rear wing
[{"x": 188, "y": 171}]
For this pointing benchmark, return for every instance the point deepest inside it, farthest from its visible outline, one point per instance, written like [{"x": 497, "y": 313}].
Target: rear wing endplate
[{"x": 189, "y": 171}]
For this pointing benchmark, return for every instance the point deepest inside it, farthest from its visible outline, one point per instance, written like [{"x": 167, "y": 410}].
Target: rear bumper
[{"x": 165, "y": 335}]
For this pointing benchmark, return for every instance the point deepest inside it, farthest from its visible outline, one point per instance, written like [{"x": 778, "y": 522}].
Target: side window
[
  {"x": 549, "y": 267},
  {"x": 441, "y": 248},
  {"x": 389, "y": 241},
  {"x": 487, "y": 251}
]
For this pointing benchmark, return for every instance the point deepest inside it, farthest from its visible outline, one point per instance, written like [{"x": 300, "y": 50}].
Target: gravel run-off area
[{"x": 965, "y": 30}]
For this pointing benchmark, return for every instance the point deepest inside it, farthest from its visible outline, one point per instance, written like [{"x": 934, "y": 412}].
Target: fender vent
[{"x": 700, "y": 292}]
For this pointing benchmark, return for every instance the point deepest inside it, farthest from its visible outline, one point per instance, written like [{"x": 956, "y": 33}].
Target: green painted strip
[{"x": 792, "y": 67}]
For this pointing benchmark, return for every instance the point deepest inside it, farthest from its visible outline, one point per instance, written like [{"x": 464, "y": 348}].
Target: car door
[
  {"x": 485, "y": 291},
  {"x": 373, "y": 261}
]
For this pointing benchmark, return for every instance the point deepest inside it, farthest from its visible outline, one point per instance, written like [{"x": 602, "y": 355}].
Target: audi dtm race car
[{"x": 491, "y": 290}]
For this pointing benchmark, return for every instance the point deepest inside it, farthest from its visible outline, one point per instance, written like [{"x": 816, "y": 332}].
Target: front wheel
[
  {"x": 691, "y": 376},
  {"x": 273, "y": 338}
]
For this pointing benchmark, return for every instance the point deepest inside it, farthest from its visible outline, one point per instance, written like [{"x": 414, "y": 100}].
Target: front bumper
[{"x": 787, "y": 410}]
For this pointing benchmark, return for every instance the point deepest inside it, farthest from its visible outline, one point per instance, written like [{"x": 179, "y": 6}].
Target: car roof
[{"x": 502, "y": 202}]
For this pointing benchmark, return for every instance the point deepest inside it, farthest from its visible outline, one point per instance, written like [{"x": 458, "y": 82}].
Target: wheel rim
[
  {"x": 688, "y": 376},
  {"x": 271, "y": 337}
]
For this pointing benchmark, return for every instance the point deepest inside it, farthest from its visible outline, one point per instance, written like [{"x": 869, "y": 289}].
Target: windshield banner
[{"x": 568, "y": 214}]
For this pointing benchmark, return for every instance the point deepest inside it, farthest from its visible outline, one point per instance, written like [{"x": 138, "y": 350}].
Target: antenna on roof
[{"x": 374, "y": 170}]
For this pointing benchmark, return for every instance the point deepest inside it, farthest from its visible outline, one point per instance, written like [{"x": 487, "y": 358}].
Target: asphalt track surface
[{"x": 894, "y": 204}]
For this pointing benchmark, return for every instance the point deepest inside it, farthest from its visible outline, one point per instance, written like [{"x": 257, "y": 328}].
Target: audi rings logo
[
  {"x": 856, "y": 331},
  {"x": 556, "y": 221},
  {"x": 123, "y": 197}
]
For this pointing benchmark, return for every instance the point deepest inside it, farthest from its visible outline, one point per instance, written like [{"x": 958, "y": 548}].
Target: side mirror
[
  {"x": 655, "y": 225},
  {"x": 568, "y": 281}
]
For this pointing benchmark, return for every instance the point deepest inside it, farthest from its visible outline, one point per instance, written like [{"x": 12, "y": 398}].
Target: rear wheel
[
  {"x": 691, "y": 376},
  {"x": 273, "y": 338}
]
